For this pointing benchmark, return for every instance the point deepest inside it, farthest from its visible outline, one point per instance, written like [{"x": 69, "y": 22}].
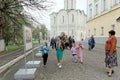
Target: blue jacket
[
  {"x": 90, "y": 42},
  {"x": 44, "y": 49}
]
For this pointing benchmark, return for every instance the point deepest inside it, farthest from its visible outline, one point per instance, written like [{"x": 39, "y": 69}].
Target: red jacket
[{"x": 111, "y": 44}]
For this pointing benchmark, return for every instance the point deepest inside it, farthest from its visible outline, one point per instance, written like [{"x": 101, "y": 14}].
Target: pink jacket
[{"x": 79, "y": 50}]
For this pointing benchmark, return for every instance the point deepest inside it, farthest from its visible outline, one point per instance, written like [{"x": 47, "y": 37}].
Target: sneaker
[{"x": 60, "y": 66}]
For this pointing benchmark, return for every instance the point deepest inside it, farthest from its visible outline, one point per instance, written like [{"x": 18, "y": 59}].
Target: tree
[
  {"x": 13, "y": 16},
  {"x": 42, "y": 28}
]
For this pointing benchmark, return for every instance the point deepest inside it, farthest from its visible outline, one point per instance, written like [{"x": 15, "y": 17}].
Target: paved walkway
[{"x": 93, "y": 67}]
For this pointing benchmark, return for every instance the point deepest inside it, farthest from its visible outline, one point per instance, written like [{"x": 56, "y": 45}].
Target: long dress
[{"x": 59, "y": 51}]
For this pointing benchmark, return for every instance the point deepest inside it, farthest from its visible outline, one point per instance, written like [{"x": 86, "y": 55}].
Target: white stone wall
[
  {"x": 70, "y": 26},
  {"x": 2, "y": 45}
]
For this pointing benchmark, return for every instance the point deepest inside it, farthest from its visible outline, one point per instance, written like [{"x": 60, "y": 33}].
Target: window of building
[
  {"x": 90, "y": 11},
  {"x": 71, "y": 4},
  {"x": 54, "y": 20},
  {"x": 113, "y": 27},
  {"x": 88, "y": 32},
  {"x": 94, "y": 31},
  {"x": 63, "y": 19},
  {"x": 104, "y": 5},
  {"x": 67, "y": 4},
  {"x": 96, "y": 9},
  {"x": 73, "y": 18},
  {"x": 102, "y": 30},
  {"x": 115, "y": 2}
]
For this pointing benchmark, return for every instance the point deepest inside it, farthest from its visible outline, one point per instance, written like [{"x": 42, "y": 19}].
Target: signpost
[{"x": 22, "y": 74}]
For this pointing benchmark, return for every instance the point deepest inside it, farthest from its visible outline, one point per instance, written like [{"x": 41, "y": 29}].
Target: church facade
[{"x": 69, "y": 20}]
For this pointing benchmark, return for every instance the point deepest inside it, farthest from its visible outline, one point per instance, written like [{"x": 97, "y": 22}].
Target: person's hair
[
  {"x": 112, "y": 32},
  {"x": 45, "y": 43},
  {"x": 60, "y": 37}
]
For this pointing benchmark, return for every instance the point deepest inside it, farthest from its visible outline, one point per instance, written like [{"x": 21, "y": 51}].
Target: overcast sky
[{"x": 58, "y": 4}]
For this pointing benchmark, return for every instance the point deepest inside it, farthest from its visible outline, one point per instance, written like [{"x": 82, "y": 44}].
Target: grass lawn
[
  {"x": 11, "y": 47},
  {"x": 14, "y": 47},
  {"x": 35, "y": 43}
]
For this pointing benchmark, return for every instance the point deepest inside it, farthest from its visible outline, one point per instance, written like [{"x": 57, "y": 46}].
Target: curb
[{"x": 11, "y": 63}]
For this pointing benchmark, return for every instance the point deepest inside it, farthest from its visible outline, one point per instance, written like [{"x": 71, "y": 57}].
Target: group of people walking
[{"x": 61, "y": 42}]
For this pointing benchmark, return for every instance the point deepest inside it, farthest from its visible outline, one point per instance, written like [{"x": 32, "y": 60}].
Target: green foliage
[
  {"x": 11, "y": 20},
  {"x": 14, "y": 47},
  {"x": 42, "y": 28},
  {"x": 35, "y": 43},
  {"x": 15, "y": 13}
]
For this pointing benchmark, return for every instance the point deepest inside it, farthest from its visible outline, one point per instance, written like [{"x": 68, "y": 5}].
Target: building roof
[{"x": 69, "y": 10}]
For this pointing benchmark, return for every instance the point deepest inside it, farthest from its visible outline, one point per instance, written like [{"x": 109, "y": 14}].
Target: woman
[
  {"x": 45, "y": 51},
  {"x": 59, "y": 51},
  {"x": 111, "y": 53}
]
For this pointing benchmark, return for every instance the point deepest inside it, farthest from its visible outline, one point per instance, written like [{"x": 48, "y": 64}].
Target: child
[
  {"x": 89, "y": 44},
  {"x": 79, "y": 49},
  {"x": 74, "y": 52},
  {"x": 45, "y": 50}
]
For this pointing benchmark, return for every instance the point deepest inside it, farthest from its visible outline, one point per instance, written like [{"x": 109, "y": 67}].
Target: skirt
[
  {"x": 111, "y": 61},
  {"x": 59, "y": 54}
]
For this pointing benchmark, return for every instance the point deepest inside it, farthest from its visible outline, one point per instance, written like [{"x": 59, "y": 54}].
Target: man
[{"x": 93, "y": 42}]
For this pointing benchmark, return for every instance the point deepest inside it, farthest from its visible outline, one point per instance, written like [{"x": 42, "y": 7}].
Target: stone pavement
[{"x": 93, "y": 67}]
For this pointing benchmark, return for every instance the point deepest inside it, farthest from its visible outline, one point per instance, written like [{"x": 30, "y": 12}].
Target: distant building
[
  {"x": 103, "y": 16},
  {"x": 68, "y": 20}
]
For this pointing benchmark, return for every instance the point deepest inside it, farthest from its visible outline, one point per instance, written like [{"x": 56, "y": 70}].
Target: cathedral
[{"x": 69, "y": 20}]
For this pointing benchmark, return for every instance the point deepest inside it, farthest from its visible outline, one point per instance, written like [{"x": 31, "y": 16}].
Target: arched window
[
  {"x": 63, "y": 19},
  {"x": 102, "y": 31},
  {"x": 88, "y": 32},
  {"x": 94, "y": 31},
  {"x": 54, "y": 20},
  {"x": 113, "y": 27},
  {"x": 73, "y": 18}
]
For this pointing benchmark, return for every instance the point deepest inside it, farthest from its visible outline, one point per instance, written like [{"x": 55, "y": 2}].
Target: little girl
[
  {"x": 79, "y": 49},
  {"x": 74, "y": 52},
  {"x": 45, "y": 50}
]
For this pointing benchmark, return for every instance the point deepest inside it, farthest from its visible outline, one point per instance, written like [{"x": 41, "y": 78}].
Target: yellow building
[{"x": 102, "y": 16}]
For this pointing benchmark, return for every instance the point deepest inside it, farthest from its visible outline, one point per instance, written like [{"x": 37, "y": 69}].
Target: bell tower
[{"x": 69, "y": 4}]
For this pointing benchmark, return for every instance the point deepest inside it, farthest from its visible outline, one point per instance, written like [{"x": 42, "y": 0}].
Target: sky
[{"x": 44, "y": 17}]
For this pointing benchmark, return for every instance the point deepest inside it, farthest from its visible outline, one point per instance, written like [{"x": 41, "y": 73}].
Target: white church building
[{"x": 69, "y": 20}]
